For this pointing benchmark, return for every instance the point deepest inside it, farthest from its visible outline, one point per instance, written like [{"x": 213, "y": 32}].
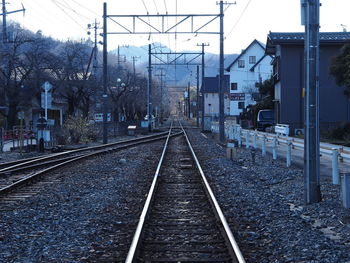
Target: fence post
[
  {"x": 274, "y": 148},
  {"x": 345, "y": 187},
  {"x": 239, "y": 138},
  {"x": 263, "y": 145},
  {"x": 335, "y": 170},
  {"x": 2, "y": 140},
  {"x": 254, "y": 139},
  {"x": 289, "y": 153},
  {"x": 247, "y": 139}
]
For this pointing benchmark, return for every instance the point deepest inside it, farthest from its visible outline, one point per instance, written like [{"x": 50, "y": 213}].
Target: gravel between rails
[
  {"x": 264, "y": 205},
  {"x": 90, "y": 217}
]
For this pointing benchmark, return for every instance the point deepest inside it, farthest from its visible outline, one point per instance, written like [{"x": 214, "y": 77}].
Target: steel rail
[
  {"x": 29, "y": 161},
  {"x": 36, "y": 175},
  {"x": 145, "y": 210},
  {"x": 219, "y": 212}
]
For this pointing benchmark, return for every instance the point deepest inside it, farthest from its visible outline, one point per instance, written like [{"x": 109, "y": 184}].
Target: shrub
[
  {"x": 342, "y": 132},
  {"x": 78, "y": 129}
]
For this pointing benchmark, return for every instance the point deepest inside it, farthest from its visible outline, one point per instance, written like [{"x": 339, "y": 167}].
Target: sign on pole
[{"x": 46, "y": 97}]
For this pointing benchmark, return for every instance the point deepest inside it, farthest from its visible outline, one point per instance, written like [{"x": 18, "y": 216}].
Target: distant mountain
[{"x": 182, "y": 74}]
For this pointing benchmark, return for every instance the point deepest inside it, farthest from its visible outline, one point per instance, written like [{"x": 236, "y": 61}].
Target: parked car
[{"x": 265, "y": 119}]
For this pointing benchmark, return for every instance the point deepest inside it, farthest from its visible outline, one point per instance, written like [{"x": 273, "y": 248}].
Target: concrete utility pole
[
  {"x": 161, "y": 75},
  {"x": 312, "y": 140},
  {"x": 203, "y": 75},
  {"x": 221, "y": 77},
  {"x": 4, "y": 21},
  {"x": 197, "y": 101},
  {"x": 4, "y": 26},
  {"x": 189, "y": 100},
  {"x": 149, "y": 89},
  {"x": 134, "y": 59},
  {"x": 95, "y": 27},
  {"x": 105, "y": 96}
]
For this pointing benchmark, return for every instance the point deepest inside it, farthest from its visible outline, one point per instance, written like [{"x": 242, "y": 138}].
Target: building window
[
  {"x": 241, "y": 63},
  {"x": 252, "y": 59},
  {"x": 234, "y": 86},
  {"x": 241, "y": 105}
]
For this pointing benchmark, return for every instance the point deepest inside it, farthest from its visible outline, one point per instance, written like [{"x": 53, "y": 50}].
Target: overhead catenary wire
[
  {"x": 70, "y": 17},
  {"x": 88, "y": 9},
  {"x": 239, "y": 18}
]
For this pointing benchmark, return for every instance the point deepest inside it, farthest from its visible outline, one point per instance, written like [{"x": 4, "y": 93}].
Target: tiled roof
[
  {"x": 293, "y": 38},
  {"x": 211, "y": 84},
  {"x": 324, "y": 36}
]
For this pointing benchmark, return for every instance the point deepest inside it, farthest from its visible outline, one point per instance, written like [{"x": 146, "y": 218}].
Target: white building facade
[{"x": 252, "y": 66}]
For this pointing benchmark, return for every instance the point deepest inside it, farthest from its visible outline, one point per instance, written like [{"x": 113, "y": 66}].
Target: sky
[{"x": 244, "y": 21}]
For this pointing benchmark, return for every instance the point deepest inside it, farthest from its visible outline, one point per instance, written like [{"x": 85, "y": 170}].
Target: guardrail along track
[
  {"x": 180, "y": 221},
  {"x": 9, "y": 182}
]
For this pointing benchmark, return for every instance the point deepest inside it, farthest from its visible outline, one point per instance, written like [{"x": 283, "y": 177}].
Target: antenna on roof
[{"x": 344, "y": 27}]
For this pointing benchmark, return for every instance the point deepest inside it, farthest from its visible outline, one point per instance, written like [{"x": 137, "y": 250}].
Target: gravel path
[
  {"x": 264, "y": 204},
  {"x": 90, "y": 217}
]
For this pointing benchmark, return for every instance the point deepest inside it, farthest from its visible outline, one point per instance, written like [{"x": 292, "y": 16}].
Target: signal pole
[{"x": 312, "y": 140}]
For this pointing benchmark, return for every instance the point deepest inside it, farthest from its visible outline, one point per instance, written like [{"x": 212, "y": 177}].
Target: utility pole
[
  {"x": 134, "y": 59},
  {"x": 188, "y": 100},
  {"x": 312, "y": 140},
  {"x": 105, "y": 96},
  {"x": 4, "y": 21},
  {"x": 149, "y": 89},
  {"x": 4, "y": 26},
  {"x": 203, "y": 76},
  {"x": 197, "y": 102},
  {"x": 221, "y": 77},
  {"x": 95, "y": 27},
  {"x": 161, "y": 75}
]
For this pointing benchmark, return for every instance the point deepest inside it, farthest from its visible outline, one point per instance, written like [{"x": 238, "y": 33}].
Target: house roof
[
  {"x": 278, "y": 38},
  {"x": 244, "y": 51},
  {"x": 211, "y": 84}
]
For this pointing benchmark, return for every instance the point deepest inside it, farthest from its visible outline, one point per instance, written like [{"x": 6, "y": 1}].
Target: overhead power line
[
  {"x": 239, "y": 18},
  {"x": 67, "y": 14}
]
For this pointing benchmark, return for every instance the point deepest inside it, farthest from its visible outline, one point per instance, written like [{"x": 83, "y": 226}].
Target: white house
[
  {"x": 249, "y": 68},
  {"x": 210, "y": 91}
]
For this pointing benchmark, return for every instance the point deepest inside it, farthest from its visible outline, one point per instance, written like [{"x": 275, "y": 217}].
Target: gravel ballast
[
  {"x": 264, "y": 205},
  {"x": 90, "y": 216}
]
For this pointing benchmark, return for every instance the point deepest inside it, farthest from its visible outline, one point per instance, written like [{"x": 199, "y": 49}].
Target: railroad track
[
  {"x": 181, "y": 220},
  {"x": 15, "y": 175}
]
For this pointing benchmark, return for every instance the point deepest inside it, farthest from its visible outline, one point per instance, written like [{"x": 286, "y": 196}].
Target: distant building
[
  {"x": 249, "y": 68},
  {"x": 288, "y": 73},
  {"x": 210, "y": 91}
]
